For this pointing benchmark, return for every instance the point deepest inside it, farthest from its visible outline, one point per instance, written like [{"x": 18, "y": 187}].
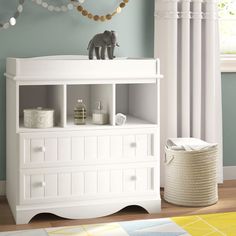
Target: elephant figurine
[{"x": 100, "y": 43}]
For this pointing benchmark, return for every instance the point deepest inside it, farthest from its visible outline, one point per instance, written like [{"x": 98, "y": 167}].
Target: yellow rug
[
  {"x": 208, "y": 225},
  {"x": 223, "y": 224}
]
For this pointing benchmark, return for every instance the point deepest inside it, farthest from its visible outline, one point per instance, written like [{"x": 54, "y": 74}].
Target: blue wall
[
  {"x": 40, "y": 32},
  {"x": 229, "y": 118}
]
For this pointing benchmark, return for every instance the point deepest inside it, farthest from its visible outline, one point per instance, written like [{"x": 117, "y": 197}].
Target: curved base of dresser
[{"x": 78, "y": 210}]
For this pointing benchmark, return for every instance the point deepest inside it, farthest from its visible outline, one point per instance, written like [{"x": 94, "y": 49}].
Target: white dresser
[{"x": 83, "y": 171}]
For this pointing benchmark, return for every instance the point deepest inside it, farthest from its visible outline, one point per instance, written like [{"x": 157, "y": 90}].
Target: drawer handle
[
  {"x": 41, "y": 149},
  {"x": 133, "y": 145},
  {"x": 43, "y": 184},
  {"x": 133, "y": 177}
]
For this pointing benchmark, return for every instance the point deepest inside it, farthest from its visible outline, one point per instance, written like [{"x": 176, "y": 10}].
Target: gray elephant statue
[{"x": 100, "y": 43}]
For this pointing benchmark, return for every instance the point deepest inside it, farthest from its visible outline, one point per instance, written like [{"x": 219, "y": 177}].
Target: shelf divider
[
  {"x": 64, "y": 107},
  {"x": 113, "y": 111}
]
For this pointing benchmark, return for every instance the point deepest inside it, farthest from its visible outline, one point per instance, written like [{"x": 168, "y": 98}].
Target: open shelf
[
  {"x": 45, "y": 96},
  {"x": 91, "y": 95},
  {"x": 138, "y": 102}
]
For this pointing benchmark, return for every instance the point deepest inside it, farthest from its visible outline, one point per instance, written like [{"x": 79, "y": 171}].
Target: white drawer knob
[
  {"x": 133, "y": 145},
  {"x": 41, "y": 149},
  {"x": 43, "y": 184},
  {"x": 133, "y": 177}
]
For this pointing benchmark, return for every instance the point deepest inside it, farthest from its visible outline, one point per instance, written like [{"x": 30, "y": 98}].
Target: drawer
[
  {"x": 50, "y": 185},
  {"x": 55, "y": 149}
]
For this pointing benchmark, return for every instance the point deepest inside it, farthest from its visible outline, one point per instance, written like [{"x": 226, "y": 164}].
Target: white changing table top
[{"x": 74, "y": 67}]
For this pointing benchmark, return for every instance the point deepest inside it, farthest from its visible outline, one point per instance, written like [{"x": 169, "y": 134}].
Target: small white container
[
  {"x": 38, "y": 118},
  {"x": 100, "y": 117},
  {"x": 120, "y": 119}
]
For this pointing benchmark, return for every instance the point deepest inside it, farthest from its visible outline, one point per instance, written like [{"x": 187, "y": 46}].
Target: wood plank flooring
[{"x": 226, "y": 203}]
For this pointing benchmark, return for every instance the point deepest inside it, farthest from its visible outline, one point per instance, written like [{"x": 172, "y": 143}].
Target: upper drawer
[{"x": 88, "y": 147}]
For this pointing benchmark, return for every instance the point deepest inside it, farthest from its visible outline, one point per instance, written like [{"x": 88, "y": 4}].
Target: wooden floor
[{"x": 227, "y": 203}]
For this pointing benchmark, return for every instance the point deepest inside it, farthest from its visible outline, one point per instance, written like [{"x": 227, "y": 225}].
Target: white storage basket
[
  {"x": 191, "y": 177},
  {"x": 38, "y": 118}
]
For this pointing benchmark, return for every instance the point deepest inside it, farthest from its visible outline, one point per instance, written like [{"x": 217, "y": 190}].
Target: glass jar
[{"x": 80, "y": 113}]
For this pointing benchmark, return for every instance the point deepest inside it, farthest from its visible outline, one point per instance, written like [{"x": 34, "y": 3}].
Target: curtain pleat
[{"x": 186, "y": 41}]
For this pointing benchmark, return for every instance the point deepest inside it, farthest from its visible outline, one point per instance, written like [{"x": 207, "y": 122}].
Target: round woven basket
[{"x": 191, "y": 177}]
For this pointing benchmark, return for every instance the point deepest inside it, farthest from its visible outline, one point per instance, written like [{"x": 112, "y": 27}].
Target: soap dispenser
[
  {"x": 80, "y": 113},
  {"x": 100, "y": 117}
]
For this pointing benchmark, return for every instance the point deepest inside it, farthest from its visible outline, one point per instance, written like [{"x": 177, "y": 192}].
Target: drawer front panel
[
  {"x": 44, "y": 150},
  {"x": 49, "y": 185}
]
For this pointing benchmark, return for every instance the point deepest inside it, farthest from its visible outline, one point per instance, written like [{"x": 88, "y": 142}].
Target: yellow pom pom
[
  {"x": 102, "y": 18},
  {"x": 118, "y": 10}
]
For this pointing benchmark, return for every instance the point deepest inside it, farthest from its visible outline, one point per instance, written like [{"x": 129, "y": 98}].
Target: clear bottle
[{"x": 80, "y": 113}]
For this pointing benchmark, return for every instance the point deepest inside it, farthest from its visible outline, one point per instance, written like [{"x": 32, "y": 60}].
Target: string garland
[
  {"x": 12, "y": 20},
  {"x": 50, "y": 7},
  {"x": 97, "y": 17},
  {"x": 63, "y": 8}
]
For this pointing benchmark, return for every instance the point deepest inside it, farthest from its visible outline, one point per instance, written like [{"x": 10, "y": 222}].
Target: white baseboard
[
  {"x": 229, "y": 172},
  {"x": 2, "y": 188}
]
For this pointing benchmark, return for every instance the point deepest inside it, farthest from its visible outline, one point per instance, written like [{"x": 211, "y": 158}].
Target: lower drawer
[{"x": 75, "y": 183}]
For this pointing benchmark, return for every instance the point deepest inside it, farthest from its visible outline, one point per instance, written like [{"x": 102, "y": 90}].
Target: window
[{"x": 227, "y": 24}]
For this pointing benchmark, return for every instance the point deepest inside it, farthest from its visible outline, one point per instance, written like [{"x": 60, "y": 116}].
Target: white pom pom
[
  {"x": 70, "y": 6},
  {"x": 51, "y": 8},
  {"x": 12, "y": 21},
  {"x": 45, "y": 4},
  {"x": 20, "y": 8}
]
